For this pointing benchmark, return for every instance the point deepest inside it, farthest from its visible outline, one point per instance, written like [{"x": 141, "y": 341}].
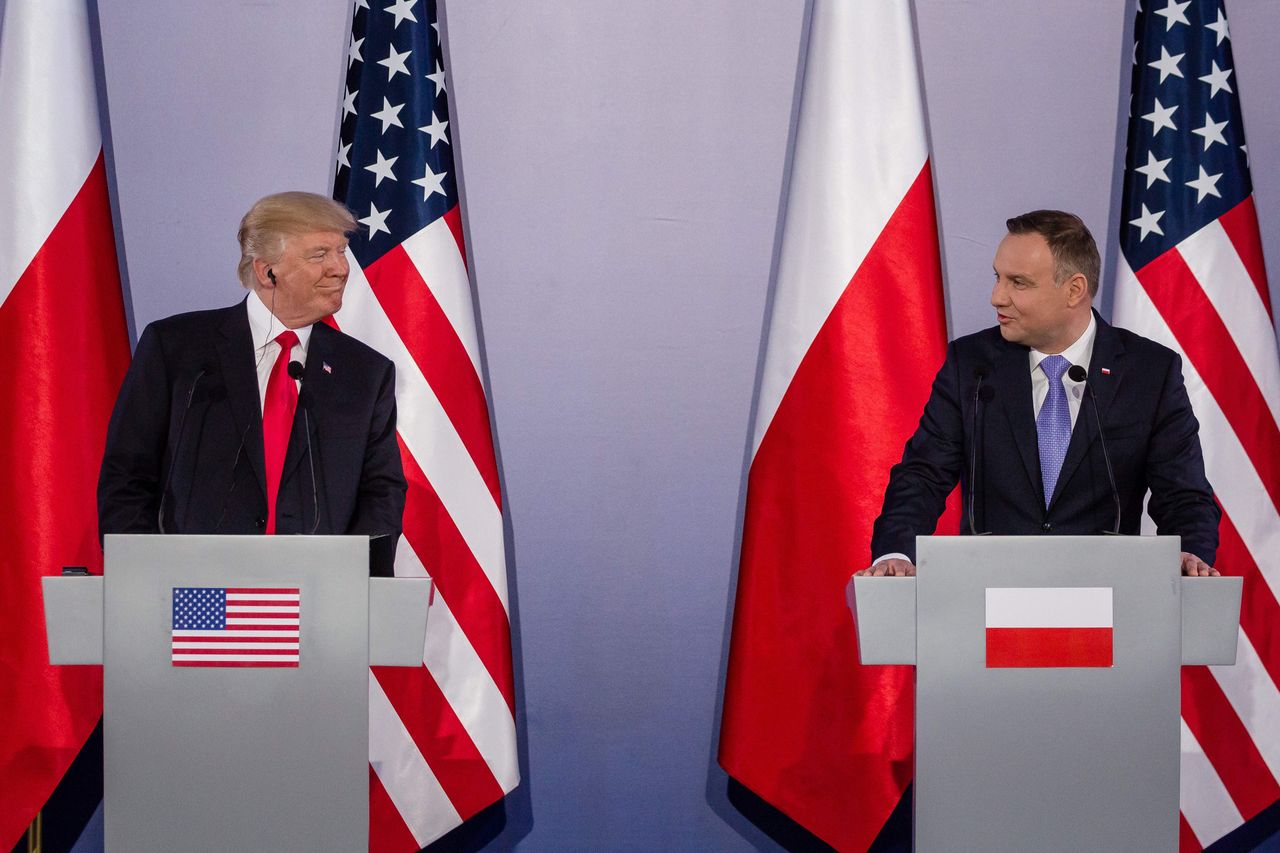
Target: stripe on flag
[
  {"x": 1206, "y": 806},
  {"x": 805, "y": 726},
  {"x": 63, "y": 353},
  {"x": 443, "y": 739},
  {"x": 1197, "y": 284},
  {"x": 1048, "y": 626}
]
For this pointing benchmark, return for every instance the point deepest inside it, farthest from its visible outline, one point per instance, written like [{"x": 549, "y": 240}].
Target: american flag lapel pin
[{"x": 325, "y": 367}]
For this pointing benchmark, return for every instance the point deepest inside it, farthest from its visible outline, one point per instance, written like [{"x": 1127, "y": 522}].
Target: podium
[
  {"x": 1047, "y": 685},
  {"x": 236, "y": 685}
]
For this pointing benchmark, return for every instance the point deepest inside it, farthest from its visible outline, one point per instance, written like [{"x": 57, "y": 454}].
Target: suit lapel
[
  {"x": 1012, "y": 381},
  {"x": 235, "y": 352},
  {"x": 1108, "y": 352}
]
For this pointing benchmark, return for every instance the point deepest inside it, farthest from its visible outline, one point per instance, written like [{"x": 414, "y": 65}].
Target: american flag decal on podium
[
  {"x": 442, "y": 741},
  {"x": 1192, "y": 277},
  {"x": 249, "y": 626}
]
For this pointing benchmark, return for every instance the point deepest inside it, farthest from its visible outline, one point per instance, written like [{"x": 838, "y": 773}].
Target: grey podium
[
  {"x": 1047, "y": 685},
  {"x": 236, "y": 684}
]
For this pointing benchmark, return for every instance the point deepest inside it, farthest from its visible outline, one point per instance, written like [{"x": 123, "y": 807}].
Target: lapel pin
[
  {"x": 1105, "y": 371},
  {"x": 327, "y": 369}
]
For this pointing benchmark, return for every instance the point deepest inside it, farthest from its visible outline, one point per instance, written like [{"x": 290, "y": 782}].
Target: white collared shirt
[
  {"x": 265, "y": 327},
  {"x": 1078, "y": 353}
]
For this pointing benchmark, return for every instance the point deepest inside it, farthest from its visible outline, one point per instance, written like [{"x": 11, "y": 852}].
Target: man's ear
[
  {"x": 263, "y": 274},
  {"x": 1077, "y": 289}
]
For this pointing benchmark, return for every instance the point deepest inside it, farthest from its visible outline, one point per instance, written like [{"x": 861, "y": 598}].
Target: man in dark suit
[
  {"x": 1039, "y": 465},
  {"x": 259, "y": 418}
]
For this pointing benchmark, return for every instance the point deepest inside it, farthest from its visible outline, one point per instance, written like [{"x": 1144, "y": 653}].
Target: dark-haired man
[{"x": 1040, "y": 468}]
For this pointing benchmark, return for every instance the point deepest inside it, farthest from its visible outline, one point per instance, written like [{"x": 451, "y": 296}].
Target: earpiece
[{"x": 271, "y": 274}]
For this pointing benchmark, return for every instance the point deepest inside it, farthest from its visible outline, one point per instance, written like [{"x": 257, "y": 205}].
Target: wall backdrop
[{"x": 623, "y": 165}]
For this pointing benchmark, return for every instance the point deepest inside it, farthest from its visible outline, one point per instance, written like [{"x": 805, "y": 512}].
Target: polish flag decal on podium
[{"x": 1048, "y": 627}]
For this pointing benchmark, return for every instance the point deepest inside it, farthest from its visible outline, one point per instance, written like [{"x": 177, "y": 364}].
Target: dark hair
[{"x": 1070, "y": 243}]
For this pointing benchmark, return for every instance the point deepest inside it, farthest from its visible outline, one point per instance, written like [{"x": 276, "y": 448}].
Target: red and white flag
[
  {"x": 857, "y": 333},
  {"x": 1191, "y": 276},
  {"x": 63, "y": 353},
  {"x": 1049, "y": 626},
  {"x": 442, "y": 736}
]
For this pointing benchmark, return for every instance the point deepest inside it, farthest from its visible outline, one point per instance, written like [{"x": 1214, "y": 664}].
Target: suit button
[
  {"x": 260, "y": 523},
  {"x": 1046, "y": 527}
]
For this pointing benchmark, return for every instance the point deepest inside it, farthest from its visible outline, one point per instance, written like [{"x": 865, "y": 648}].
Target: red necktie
[{"x": 277, "y": 421}]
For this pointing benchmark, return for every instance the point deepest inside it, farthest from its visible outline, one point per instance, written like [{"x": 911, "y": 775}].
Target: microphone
[
  {"x": 235, "y": 463},
  {"x": 1078, "y": 374},
  {"x": 177, "y": 448},
  {"x": 981, "y": 394},
  {"x": 296, "y": 371}
]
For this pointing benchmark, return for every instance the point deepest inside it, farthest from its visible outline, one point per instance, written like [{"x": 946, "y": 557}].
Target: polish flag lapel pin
[{"x": 1105, "y": 371}]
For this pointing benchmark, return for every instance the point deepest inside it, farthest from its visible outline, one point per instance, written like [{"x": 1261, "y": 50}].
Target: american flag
[
  {"x": 1191, "y": 276},
  {"x": 243, "y": 626},
  {"x": 442, "y": 736}
]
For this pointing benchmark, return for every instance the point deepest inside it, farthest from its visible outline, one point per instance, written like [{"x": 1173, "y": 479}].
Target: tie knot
[
  {"x": 287, "y": 340},
  {"x": 1054, "y": 366}
]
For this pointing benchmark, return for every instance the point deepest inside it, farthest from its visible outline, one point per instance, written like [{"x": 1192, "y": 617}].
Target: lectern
[
  {"x": 236, "y": 684},
  {"x": 1047, "y": 685}
]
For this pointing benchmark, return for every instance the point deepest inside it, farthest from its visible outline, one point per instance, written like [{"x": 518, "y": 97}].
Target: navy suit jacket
[
  {"x": 1151, "y": 434},
  {"x": 189, "y": 414}
]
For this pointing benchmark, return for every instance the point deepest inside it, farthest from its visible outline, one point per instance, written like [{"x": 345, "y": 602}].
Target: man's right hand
[{"x": 888, "y": 569}]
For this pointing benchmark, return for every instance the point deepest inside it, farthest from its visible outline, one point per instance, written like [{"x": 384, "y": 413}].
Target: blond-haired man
[{"x": 259, "y": 418}]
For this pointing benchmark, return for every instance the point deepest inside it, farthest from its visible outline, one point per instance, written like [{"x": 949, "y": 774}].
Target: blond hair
[{"x": 275, "y": 217}]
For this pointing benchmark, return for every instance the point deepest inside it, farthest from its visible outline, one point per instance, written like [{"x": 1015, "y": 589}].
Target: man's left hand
[{"x": 1194, "y": 567}]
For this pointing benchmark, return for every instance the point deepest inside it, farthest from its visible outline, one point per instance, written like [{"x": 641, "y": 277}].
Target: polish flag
[
  {"x": 1049, "y": 626},
  {"x": 63, "y": 353},
  {"x": 856, "y": 334}
]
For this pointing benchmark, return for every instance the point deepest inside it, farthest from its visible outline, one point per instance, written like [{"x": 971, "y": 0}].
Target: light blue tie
[{"x": 1053, "y": 425}]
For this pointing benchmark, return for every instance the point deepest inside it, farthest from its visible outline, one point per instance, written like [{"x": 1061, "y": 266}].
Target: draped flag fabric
[
  {"x": 442, "y": 742},
  {"x": 63, "y": 353},
  {"x": 857, "y": 333},
  {"x": 1191, "y": 276}
]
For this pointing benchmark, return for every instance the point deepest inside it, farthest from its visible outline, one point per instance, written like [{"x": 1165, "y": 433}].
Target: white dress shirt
[
  {"x": 1078, "y": 353},
  {"x": 265, "y": 327}
]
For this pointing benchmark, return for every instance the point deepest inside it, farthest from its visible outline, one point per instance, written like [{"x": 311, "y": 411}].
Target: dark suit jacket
[
  {"x": 1151, "y": 434},
  {"x": 189, "y": 414}
]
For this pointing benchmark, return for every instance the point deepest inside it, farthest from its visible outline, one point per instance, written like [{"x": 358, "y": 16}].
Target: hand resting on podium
[
  {"x": 1192, "y": 566},
  {"x": 892, "y": 567}
]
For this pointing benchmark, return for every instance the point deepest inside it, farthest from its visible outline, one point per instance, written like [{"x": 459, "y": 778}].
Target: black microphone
[
  {"x": 177, "y": 448},
  {"x": 981, "y": 394},
  {"x": 296, "y": 371},
  {"x": 1078, "y": 374}
]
